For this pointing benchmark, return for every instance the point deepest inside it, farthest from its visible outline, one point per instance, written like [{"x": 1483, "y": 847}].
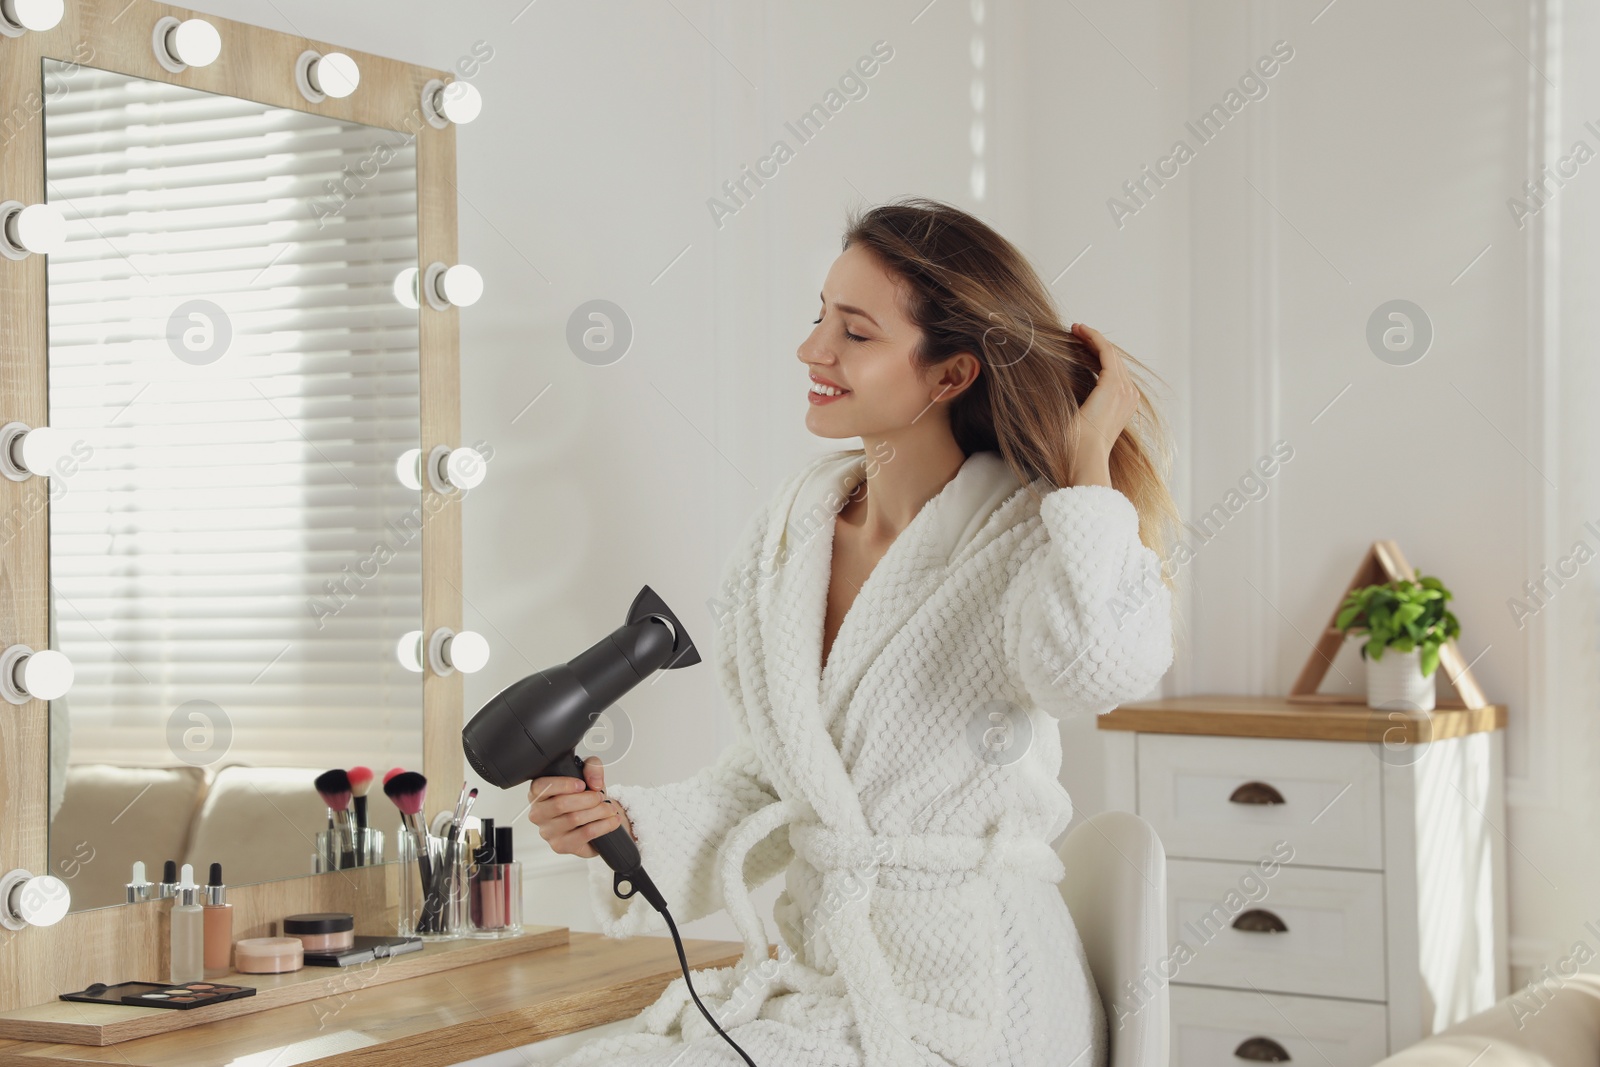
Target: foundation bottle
[{"x": 218, "y": 926}]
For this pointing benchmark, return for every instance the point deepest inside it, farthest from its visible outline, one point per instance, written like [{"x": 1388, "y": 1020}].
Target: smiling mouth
[{"x": 827, "y": 390}]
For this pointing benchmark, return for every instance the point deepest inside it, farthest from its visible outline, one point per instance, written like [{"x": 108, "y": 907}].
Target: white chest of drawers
[{"x": 1335, "y": 878}]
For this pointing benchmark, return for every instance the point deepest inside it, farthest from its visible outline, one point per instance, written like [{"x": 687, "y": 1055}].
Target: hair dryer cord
[{"x": 639, "y": 882}]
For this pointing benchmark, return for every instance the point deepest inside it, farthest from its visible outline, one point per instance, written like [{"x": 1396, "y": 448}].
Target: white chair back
[{"x": 1116, "y": 889}]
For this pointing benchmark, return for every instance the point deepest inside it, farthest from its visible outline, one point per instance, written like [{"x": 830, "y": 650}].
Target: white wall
[
  {"x": 1377, "y": 166},
  {"x": 1382, "y": 165},
  {"x": 1557, "y": 815},
  {"x": 742, "y": 298},
  {"x": 1106, "y": 93}
]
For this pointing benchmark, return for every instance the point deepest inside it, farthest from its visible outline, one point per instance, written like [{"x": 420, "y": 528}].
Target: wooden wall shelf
[
  {"x": 428, "y": 1021},
  {"x": 1223, "y": 715}
]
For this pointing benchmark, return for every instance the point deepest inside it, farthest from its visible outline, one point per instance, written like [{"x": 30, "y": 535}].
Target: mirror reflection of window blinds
[{"x": 193, "y": 552}]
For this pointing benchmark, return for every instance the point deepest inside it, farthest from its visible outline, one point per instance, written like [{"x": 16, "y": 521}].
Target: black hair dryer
[{"x": 531, "y": 728}]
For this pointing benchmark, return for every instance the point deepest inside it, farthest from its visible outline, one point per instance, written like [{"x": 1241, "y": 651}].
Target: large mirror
[{"x": 235, "y": 521}]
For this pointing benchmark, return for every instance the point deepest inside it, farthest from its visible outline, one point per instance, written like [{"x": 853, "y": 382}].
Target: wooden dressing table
[{"x": 442, "y": 1018}]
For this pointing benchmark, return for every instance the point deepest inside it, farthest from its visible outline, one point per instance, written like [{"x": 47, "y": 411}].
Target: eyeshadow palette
[{"x": 161, "y": 994}]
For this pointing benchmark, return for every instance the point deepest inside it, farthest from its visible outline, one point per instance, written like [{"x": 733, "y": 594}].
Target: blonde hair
[{"x": 970, "y": 290}]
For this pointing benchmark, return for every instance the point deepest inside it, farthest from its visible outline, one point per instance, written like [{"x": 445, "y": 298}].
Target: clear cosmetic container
[
  {"x": 437, "y": 911},
  {"x": 367, "y": 853}
]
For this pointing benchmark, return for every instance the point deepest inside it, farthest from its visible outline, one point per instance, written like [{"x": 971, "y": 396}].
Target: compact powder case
[
  {"x": 323, "y": 931},
  {"x": 268, "y": 955}
]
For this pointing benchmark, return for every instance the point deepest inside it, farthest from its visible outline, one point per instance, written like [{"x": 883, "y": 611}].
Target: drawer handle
[
  {"x": 1262, "y": 1048},
  {"x": 1256, "y": 793},
  {"x": 1260, "y": 921}
]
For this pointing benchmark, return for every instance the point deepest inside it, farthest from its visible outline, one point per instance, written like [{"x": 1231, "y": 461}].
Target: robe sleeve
[
  {"x": 1087, "y": 618},
  {"x": 680, "y": 827}
]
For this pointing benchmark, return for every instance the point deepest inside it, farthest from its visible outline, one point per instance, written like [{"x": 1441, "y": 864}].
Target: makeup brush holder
[
  {"x": 368, "y": 851},
  {"x": 437, "y": 911}
]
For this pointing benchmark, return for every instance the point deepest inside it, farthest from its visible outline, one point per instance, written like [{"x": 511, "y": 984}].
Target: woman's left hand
[{"x": 1104, "y": 413}]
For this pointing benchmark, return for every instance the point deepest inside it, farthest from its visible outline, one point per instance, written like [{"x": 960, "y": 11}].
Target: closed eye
[{"x": 854, "y": 337}]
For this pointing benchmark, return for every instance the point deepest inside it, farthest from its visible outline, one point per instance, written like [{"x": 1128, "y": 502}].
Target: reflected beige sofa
[
  {"x": 1553, "y": 1024},
  {"x": 258, "y": 822}
]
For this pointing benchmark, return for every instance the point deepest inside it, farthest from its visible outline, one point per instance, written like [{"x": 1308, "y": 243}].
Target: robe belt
[
  {"x": 879, "y": 1009},
  {"x": 951, "y": 855}
]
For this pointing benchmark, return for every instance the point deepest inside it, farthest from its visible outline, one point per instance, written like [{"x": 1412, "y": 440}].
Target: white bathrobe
[{"x": 908, "y": 792}]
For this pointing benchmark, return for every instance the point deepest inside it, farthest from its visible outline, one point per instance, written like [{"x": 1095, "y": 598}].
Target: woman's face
[{"x": 862, "y": 344}]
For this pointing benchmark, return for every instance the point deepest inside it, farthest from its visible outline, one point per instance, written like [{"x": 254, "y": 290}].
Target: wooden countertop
[
  {"x": 76, "y": 1023},
  {"x": 437, "y": 1019},
  {"x": 1249, "y": 716}
]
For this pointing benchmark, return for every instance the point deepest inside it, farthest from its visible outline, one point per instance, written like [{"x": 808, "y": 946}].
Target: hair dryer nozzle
[{"x": 648, "y": 604}]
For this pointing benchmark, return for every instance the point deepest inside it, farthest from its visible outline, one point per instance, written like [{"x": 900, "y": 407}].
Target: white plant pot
[{"x": 1396, "y": 682}]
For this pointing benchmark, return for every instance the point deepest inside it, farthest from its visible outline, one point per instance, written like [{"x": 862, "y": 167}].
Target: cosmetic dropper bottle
[
  {"x": 218, "y": 926},
  {"x": 168, "y": 886},
  {"x": 139, "y": 885},
  {"x": 188, "y": 932}
]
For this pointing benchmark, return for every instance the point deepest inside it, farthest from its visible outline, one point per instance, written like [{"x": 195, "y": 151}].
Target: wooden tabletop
[
  {"x": 76, "y": 1023},
  {"x": 438, "y": 1019},
  {"x": 1226, "y": 715}
]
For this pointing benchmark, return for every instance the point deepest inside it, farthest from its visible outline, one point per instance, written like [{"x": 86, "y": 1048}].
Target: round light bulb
[
  {"x": 40, "y": 228},
  {"x": 461, "y": 285},
  {"x": 36, "y": 15},
  {"x": 336, "y": 75},
  {"x": 467, "y": 652},
  {"x": 460, "y": 102},
  {"x": 41, "y": 901},
  {"x": 41, "y": 448},
  {"x": 408, "y": 468},
  {"x": 46, "y": 674},
  {"x": 405, "y": 288},
  {"x": 408, "y": 650},
  {"x": 195, "y": 43},
  {"x": 464, "y": 467}
]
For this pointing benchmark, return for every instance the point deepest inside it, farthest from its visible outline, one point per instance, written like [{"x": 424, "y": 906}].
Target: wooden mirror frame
[{"x": 121, "y": 943}]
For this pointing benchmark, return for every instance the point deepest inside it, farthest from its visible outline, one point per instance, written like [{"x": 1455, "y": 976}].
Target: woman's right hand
[{"x": 569, "y": 815}]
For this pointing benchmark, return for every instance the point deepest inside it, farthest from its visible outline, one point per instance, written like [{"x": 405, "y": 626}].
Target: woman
[{"x": 899, "y": 626}]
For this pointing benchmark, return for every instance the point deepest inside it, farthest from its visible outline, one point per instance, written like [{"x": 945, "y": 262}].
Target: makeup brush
[
  {"x": 334, "y": 788},
  {"x": 409, "y": 791},
  {"x": 460, "y": 830},
  {"x": 453, "y": 849},
  {"x": 461, "y": 807},
  {"x": 445, "y": 876},
  {"x": 360, "y": 782}
]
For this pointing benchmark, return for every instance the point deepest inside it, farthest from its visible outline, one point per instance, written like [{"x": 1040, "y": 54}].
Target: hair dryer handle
[{"x": 617, "y": 847}]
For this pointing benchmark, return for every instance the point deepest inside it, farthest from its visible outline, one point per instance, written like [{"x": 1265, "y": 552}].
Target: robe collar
[
  {"x": 802, "y": 697},
  {"x": 952, "y": 517}
]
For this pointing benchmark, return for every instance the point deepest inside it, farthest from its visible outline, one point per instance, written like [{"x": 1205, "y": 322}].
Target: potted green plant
[{"x": 1409, "y": 620}]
